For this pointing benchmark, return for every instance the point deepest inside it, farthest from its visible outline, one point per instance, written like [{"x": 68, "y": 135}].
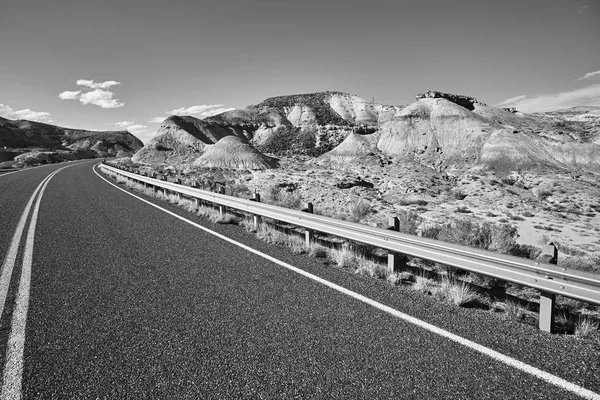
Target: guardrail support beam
[
  {"x": 256, "y": 218},
  {"x": 309, "y": 234},
  {"x": 221, "y": 207},
  {"x": 393, "y": 257},
  {"x": 547, "y": 300}
]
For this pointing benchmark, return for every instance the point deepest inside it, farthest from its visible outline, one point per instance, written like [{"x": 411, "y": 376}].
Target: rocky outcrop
[
  {"x": 467, "y": 102},
  {"x": 180, "y": 139},
  {"x": 232, "y": 152},
  {"x": 443, "y": 129}
]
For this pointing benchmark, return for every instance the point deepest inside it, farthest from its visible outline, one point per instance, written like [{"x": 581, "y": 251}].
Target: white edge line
[
  {"x": 13, "y": 369},
  {"x": 531, "y": 370}
]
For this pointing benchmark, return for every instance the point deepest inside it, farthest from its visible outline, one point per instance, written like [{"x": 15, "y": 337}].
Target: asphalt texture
[{"x": 130, "y": 302}]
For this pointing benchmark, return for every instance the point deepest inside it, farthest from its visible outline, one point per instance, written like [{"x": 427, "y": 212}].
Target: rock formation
[{"x": 232, "y": 152}]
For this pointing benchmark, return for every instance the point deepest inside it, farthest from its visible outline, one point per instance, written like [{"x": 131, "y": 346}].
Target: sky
[{"x": 108, "y": 65}]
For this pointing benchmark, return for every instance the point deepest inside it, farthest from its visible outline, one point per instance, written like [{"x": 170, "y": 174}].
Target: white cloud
[
  {"x": 96, "y": 85},
  {"x": 39, "y": 116},
  {"x": 157, "y": 120},
  {"x": 131, "y": 126},
  {"x": 586, "y": 96},
  {"x": 511, "y": 100},
  {"x": 589, "y": 75},
  {"x": 101, "y": 98},
  {"x": 69, "y": 95},
  {"x": 202, "y": 111},
  {"x": 582, "y": 9}
]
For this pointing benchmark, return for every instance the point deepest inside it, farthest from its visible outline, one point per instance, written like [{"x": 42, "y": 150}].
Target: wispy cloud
[
  {"x": 202, "y": 111},
  {"x": 511, "y": 100},
  {"x": 157, "y": 120},
  {"x": 131, "y": 126},
  {"x": 582, "y": 9},
  {"x": 99, "y": 96},
  {"x": 589, "y": 75},
  {"x": 39, "y": 116},
  {"x": 586, "y": 96},
  {"x": 96, "y": 85}
]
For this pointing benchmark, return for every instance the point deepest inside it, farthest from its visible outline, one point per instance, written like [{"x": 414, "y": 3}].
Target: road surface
[{"x": 125, "y": 300}]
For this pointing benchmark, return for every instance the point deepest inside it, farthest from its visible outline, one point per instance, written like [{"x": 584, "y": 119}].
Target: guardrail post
[
  {"x": 196, "y": 185},
  {"x": 309, "y": 234},
  {"x": 256, "y": 218},
  {"x": 178, "y": 181},
  {"x": 548, "y": 300},
  {"x": 393, "y": 257},
  {"x": 221, "y": 207}
]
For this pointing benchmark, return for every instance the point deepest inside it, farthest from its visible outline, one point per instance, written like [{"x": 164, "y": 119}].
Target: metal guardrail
[{"x": 549, "y": 279}]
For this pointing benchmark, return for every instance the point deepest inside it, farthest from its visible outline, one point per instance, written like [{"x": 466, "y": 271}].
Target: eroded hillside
[
  {"x": 443, "y": 157},
  {"x": 25, "y": 143}
]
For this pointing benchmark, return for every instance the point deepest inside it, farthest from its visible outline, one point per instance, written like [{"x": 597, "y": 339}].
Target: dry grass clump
[
  {"x": 359, "y": 210},
  {"x": 271, "y": 235},
  {"x": 372, "y": 269},
  {"x": 424, "y": 284},
  {"x": 457, "y": 292},
  {"x": 588, "y": 263},
  {"x": 587, "y": 328},
  {"x": 344, "y": 258},
  {"x": 516, "y": 311},
  {"x": 317, "y": 251},
  {"x": 282, "y": 197}
]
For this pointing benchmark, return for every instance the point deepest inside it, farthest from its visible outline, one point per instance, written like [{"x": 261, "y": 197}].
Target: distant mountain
[{"x": 20, "y": 137}]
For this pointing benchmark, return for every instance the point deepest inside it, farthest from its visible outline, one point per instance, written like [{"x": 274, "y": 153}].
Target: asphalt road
[{"x": 127, "y": 301}]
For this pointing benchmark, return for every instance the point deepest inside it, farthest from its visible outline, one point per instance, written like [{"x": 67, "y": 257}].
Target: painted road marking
[
  {"x": 13, "y": 369},
  {"x": 11, "y": 256},
  {"x": 529, "y": 369}
]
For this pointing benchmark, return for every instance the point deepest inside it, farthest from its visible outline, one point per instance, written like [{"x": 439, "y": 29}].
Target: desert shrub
[
  {"x": 544, "y": 194},
  {"x": 490, "y": 214},
  {"x": 238, "y": 190},
  {"x": 289, "y": 200},
  {"x": 457, "y": 194},
  {"x": 409, "y": 222},
  {"x": 462, "y": 209},
  {"x": 508, "y": 180},
  {"x": 588, "y": 263},
  {"x": 528, "y": 214},
  {"x": 431, "y": 231},
  {"x": 359, "y": 210},
  {"x": 485, "y": 236},
  {"x": 407, "y": 201}
]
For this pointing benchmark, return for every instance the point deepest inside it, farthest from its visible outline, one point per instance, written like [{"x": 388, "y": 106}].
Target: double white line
[{"x": 13, "y": 369}]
